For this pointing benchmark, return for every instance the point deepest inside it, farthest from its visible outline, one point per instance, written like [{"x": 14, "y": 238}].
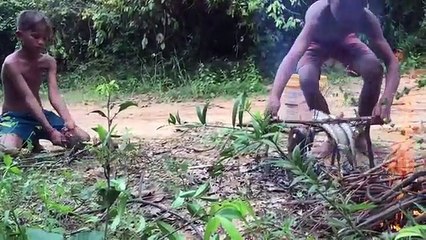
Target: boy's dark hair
[{"x": 28, "y": 19}]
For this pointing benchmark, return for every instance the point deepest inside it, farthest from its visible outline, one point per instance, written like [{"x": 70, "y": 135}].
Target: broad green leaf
[
  {"x": 245, "y": 208},
  {"x": 119, "y": 184},
  {"x": 178, "y": 202},
  {"x": 230, "y": 228},
  {"x": 126, "y": 105},
  {"x": 6, "y": 216},
  {"x": 121, "y": 211},
  {"x": 100, "y": 112},
  {"x": 172, "y": 119},
  {"x": 312, "y": 189},
  {"x": 297, "y": 180},
  {"x": 7, "y": 159},
  {"x": 211, "y": 227},
  {"x": 141, "y": 225},
  {"x": 195, "y": 209},
  {"x": 358, "y": 207},
  {"x": 115, "y": 222},
  {"x": 15, "y": 170},
  {"x": 199, "y": 115},
  {"x": 230, "y": 213},
  {"x": 187, "y": 194},
  {"x": 336, "y": 222},
  {"x": 178, "y": 118},
  {"x": 88, "y": 235},
  {"x": 168, "y": 229},
  {"x": 210, "y": 199},
  {"x": 38, "y": 234},
  {"x": 108, "y": 196},
  {"x": 107, "y": 138},
  {"x": 202, "y": 189},
  {"x": 234, "y": 112},
  {"x": 242, "y": 108},
  {"x": 413, "y": 231},
  {"x": 206, "y": 106},
  {"x": 154, "y": 237},
  {"x": 102, "y": 132}
]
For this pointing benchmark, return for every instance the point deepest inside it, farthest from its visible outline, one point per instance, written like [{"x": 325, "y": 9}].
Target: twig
[
  {"x": 201, "y": 150},
  {"x": 394, "y": 189},
  {"x": 72, "y": 157},
  {"x": 391, "y": 211},
  {"x": 200, "y": 236}
]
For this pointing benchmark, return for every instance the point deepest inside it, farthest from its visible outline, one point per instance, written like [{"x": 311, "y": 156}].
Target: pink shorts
[{"x": 347, "y": 52}]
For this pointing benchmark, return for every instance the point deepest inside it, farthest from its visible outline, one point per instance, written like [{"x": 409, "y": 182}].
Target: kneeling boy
[{"x": 23, "y": 117}]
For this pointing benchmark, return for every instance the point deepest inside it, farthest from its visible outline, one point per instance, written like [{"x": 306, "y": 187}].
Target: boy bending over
[
  {"x": 23, "y": 117},
  {"x": 329, "y": 32}
]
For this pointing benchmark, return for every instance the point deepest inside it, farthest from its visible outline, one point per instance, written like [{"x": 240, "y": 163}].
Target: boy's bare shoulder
[
  {"x": 46, "y": 61},
  {"x": 11, "y": 59},
  {"x": 10, "y": 63},
  {"x": 316, "y": 14},
  {"x": 46, "y": 58}
]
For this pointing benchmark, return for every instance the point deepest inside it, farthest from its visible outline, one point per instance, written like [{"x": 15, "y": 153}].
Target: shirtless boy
[
  {"x": 329, "y": 32},
  {"x": 23, "y": 117}
]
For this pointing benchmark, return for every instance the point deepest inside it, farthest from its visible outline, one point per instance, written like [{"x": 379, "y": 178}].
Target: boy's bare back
[{"x": 326, "y": 30}]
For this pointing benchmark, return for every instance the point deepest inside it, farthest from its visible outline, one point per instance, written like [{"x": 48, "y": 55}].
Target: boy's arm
[
  {"x": 300, "y": 45},
  {"x": 14, "y": 75},
  {"x": 378, "y": 42},
  {"x": 55, "y": 96}
]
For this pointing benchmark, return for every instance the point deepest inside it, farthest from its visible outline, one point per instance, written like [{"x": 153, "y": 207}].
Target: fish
[{"x": 343, "y": 136}]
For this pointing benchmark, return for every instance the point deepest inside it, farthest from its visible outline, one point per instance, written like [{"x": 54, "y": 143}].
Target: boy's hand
[
  {"x": 273, "y": 107},
  {"x": 69, "y": 125},
  {"x": 57, "y": 138},
  {"x": 381, "y": 112}
]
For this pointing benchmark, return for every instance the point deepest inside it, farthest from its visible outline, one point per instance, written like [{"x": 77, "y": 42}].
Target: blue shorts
[{"x": 25, "y": 126}]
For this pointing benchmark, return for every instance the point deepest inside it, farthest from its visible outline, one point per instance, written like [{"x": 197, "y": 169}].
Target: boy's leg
[
  {"x": 364, "y": 61},
  {"x": 309, "y": 70},
  {"x": 359, "y": 57},
  {"x": 15, "y": 129}
]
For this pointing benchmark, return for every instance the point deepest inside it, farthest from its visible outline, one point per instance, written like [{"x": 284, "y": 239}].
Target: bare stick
[
  {"x": 391, "y": 211},
  {"x": 394, "y": 189}
]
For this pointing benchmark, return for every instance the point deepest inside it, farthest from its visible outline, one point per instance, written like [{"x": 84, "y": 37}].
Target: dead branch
[
  {"x": 390, "y": 211},
  {"x": 394, "y": 191}
]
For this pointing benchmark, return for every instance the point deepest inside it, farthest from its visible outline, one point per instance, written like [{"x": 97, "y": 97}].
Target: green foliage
[{"x": 417, "y": 231}]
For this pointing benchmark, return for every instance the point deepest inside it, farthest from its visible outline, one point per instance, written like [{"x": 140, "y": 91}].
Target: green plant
[{"x": 106, "y": 154}]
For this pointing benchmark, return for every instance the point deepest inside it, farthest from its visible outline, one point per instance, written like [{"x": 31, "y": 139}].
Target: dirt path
[{"x": 143, "y": 121}]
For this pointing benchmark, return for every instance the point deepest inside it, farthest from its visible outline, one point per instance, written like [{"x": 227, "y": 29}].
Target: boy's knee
[
  {"x": 10, "y": 144},
  {"x": 371, "y": 70}
]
